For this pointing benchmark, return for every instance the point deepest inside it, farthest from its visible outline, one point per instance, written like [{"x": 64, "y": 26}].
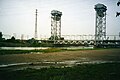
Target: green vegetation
[
  {"x": 105, "y": 71},
  {"x": 3, "y": 52},
  {"x": 1, "y": 35},
  {"x": 13, "y": 42}
]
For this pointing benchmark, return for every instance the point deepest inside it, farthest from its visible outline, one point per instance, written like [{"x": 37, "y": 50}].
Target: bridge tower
[
  {"x": 100, "y": 25},
  {"x": 55, "y": 25}
]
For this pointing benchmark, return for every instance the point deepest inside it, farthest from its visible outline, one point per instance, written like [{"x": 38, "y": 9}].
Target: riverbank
[{"x": 23, "y": 50}]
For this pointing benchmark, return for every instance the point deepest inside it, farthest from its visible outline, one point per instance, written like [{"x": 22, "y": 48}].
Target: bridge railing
[
  {"x": 113, "y": 37},
  {"x": 89, "y": 37},
  {"x": 81, "y": 37},
  {"x": 78, "y": 37}
]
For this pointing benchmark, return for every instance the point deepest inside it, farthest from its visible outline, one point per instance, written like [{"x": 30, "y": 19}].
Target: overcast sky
[{"x": 18, "y": 16}]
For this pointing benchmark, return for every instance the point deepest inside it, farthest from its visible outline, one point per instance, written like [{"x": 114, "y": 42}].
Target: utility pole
[{"x": 36, "y": 24}]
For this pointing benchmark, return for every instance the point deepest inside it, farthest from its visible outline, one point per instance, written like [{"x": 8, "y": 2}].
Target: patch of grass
[
  {"x": 105, "y": 71},
  {"x": 4, "y": 52},
  {"x": 52, "y": 50}
]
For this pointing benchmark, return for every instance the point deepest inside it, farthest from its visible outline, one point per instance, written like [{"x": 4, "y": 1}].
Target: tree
[
  {"x": 12, "y": 38},
  {"x": 118, "y": 13},
  {"x": 118, "y": 3},
  {"x": 1, "y": 35}
]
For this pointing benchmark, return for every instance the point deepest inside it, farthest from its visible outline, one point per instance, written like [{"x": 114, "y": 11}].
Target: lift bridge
[
  {"x": 100, "y": 39},
  {"x": 85, "y": 40},
  {"x": 89, "y": 40}
]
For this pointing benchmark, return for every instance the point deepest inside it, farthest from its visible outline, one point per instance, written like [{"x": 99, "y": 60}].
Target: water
[
  {"x": 23, "y": 48},
  {"x": 38, "y": 48},
  {"x": 80, "y": 47}
]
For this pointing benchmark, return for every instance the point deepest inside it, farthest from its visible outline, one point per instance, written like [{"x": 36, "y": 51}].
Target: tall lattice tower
[
  {"x": 100, "y": 25},
  {"x": 36, "y": 24},
  {"x": 55, "y": 25}
]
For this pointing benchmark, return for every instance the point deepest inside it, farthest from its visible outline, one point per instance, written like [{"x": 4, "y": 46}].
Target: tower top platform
[{"x": 56, "y": 13}]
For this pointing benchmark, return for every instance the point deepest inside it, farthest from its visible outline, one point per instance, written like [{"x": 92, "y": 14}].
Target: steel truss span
[{"x": 88, "y": 40}]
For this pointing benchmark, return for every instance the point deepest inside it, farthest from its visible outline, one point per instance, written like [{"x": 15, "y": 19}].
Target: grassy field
[
  {"x": 103, "y": 71},
  {"x": 106, "y": 71}
]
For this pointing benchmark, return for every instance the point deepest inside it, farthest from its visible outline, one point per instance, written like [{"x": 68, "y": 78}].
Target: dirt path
[{"x": 82, "y": 55}]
